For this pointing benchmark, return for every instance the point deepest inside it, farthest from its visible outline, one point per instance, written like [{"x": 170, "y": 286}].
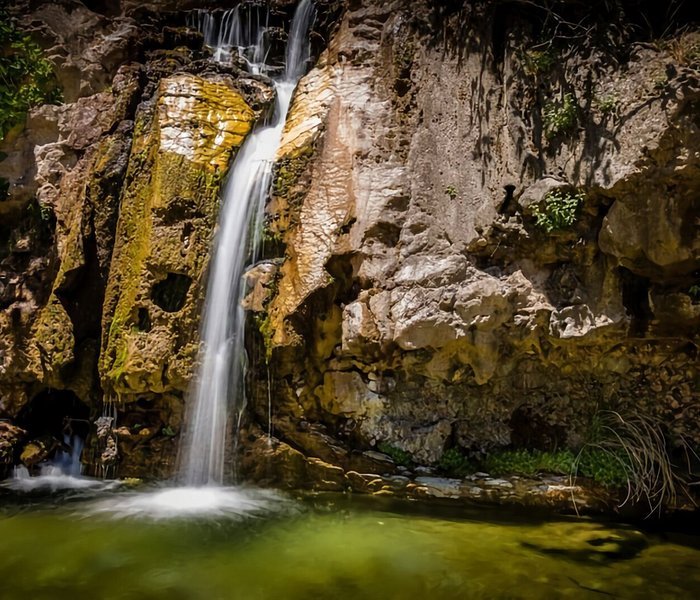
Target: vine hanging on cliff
[{"x": 26, "y": 76}]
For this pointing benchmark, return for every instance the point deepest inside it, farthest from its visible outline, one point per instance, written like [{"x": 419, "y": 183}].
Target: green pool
[{"x": 107, "y": 546}]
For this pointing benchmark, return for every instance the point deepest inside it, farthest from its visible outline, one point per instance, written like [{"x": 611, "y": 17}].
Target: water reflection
[{"x": 332, "y": 547}]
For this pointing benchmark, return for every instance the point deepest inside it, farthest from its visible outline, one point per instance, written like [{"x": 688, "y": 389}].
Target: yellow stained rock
[
  {"x": 201, "y": 119},
  {"x": 181, "y": 150},
  {"x": 308, "y": 112}
]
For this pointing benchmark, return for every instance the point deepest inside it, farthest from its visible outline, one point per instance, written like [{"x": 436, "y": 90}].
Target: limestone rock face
[
  {"x": 471, "y": 244},
  {"x": 424, "y": 302},
  {"x": 63, "y": 174},
  {"x": 183, "y": 142}
]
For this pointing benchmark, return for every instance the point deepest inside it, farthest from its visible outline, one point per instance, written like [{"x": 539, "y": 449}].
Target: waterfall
[
  {"x": 68, "y": 461},
  {"x": 63, "y": 472},
  {"x": 218, "y": 391}
]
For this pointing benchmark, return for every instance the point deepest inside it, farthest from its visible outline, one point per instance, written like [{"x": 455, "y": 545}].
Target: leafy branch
[{"x": 26, "y": 76}]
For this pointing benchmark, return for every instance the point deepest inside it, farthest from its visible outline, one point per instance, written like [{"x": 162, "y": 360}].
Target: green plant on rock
[
  {"x": 400, "y": 457},
  {"x": 607, "y": 104},
  {"x": 529, "y": 463},
  {"x": 451, "y": 191},
  {"x": 168, "y": 431},
  {"x": 632, "y": 451},
  {"x": 694, "y": 292},
  {"x": 453, "y": 462},
  {"x": 660, "y": 81},
  {"x": 26, "y": 76},
  {"x": 559, "y": 118},
  {"x": 558, "y": 210},
  {"x": 610, "y": 469},
  {"x": 537, "y": 62}
]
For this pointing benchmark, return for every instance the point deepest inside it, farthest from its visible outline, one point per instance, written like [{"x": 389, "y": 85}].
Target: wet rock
[
  {"x": 110, "y": 454},
  {"x": 259, "y": 283},
  {"x": 440, "y": 487},
  {"x": 103, "y": 426},
  {"x": 10, "y": 436},
  {"x": 187, "y": 135},
  {"x": 39, "y": 450}
]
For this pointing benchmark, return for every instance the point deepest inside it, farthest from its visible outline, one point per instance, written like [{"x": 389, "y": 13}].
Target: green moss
[
  {"x": 288, "y": 170},
  {"x": 152, "y": 179},
  {"x": 134, "y": 235},
  {"x": 264, "y": 322},
  {"x": 53, "y": 335},
  {"x": 400, "y": 457},
  {"x": 26, "y": 76},
  {"x": 264, "y": 325},
  {"x": 611, "y": 469},
  {"x": 120, "y": 350},
  {"x": 606, "y": 468}
]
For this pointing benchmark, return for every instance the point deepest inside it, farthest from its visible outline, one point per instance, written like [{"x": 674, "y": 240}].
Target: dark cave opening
[
  {"x": 635, "y": 299},
  {"x": 82, "y": 294},
  {"x": 171, "y": 293},
  {"x": 55, "y": 413}
]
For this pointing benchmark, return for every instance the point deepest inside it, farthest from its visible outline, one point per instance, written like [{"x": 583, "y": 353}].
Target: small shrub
[
  {"x": 26, "y": 75},
  {"x": 608, "y": 104},
  {"x": 168, "y": 431},
  {"x": 451, "y": 191},
  {"x": 537, "y": 62},
  {"x": 400, "y": 457},
  {"x": 632, "y": 451},
  {"x": 558, "y": 210},
  {"x": 685, "y": 50},
  {"x": 560, "y": 117}
]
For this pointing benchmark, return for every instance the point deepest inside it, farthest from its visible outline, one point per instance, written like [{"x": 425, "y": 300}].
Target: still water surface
[{"x": 327, "y": 547}]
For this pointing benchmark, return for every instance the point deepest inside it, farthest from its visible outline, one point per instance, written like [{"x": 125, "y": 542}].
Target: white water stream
[{"x": 218, "y": 394}]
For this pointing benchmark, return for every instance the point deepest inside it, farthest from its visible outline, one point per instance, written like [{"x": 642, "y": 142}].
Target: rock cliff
[
  {"x": 490, "y": 236},
  {"x": 482, "y": 234}
]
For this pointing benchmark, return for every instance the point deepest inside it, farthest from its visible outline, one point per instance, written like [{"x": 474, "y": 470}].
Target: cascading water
[
  {"x": 218, "y": 392},
  {"x": 219, "y": 387}
]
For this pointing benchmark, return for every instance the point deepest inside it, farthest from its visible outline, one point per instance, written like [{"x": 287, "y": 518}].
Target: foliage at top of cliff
[
  {"x": 611, "y": 24},
  {"x": 26, "y": 76}
]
